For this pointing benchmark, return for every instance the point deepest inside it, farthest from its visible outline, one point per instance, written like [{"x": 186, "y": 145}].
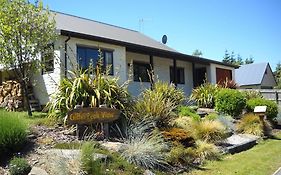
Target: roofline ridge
[{"x": 54, "y": 11}]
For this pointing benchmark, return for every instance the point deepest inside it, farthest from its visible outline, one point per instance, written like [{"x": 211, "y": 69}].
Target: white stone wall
[{"x": 44, "y": 85}]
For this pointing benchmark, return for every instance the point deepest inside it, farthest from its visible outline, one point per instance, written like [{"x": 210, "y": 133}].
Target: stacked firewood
[{"x": 11, "y": 95}]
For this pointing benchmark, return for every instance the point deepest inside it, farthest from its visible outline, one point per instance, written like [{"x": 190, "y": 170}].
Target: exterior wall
[
  {"x": 119, "y": 56},
  {"x": 213, "y": 67},
  {"x": 161, "y": 71},
  {"x": 268, "y": 79},
  {"x": 44, "y": 85}
]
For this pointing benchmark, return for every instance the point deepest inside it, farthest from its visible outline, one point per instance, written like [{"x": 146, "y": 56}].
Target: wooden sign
[{"x": 92, "y": 115}]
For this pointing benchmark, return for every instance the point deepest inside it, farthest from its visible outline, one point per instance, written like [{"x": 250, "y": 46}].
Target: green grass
[
  {"x": 12, "y": 133},
  {"x": 37, "y": 118},
  {"x": 263, "y": 159}
]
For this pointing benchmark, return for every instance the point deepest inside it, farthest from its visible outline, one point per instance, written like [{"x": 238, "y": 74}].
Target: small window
[
  {"x": 86, "y": 55},
  {"x": 48, "y": 61},
  {"x": 179, "y": 75},
  {"x": 141, "y": 71}
]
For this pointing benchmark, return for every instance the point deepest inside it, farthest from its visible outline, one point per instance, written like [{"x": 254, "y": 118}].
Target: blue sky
[{"x": 247, "y": 27}]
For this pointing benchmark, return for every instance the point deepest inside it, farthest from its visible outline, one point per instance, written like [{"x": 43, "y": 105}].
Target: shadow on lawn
[{"x": 28, "y": 147}]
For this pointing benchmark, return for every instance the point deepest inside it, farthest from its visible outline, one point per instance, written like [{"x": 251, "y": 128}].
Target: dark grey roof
[
  {"x": 250, "y": 74},
  {"x": 94, "y": 28},
  {"x": 87, "y": 28}
]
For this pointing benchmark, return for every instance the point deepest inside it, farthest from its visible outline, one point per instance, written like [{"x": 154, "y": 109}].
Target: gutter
[{"x": 65, "y": 55}]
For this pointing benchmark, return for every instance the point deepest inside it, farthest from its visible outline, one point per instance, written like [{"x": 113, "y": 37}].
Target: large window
[
  {"x": 141, "y": 71},
  {"x": 87, "y": 56},
  {"x": 179, "y": 75}
]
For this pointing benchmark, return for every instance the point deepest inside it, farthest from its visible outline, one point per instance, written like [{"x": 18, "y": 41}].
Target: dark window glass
[
  {"x": 141, "y": 71},
  {"x": 179, "y": 75},
  {"x": 87, "y": 56}
]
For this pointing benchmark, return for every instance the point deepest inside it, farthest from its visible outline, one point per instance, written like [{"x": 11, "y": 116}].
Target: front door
[{"x": 199, "y": 76}]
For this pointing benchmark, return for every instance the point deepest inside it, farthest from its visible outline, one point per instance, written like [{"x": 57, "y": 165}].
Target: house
[
  {"x": 79, "y": 42},
  {"x": 255, "y": 76}
]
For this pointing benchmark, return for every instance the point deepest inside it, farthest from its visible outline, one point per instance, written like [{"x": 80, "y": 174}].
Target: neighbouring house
[
  {"x": 255, "y": 76},
  {"x": 79, "y": 42}
]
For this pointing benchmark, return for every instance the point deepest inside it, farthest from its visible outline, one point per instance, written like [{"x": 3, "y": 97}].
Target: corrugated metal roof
[
  {"x": 250, "y": 74},
  {"x": 90, "y": 27}
]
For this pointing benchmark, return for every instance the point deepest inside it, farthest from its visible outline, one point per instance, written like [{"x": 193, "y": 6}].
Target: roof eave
[{"x": 145, "y": 49}]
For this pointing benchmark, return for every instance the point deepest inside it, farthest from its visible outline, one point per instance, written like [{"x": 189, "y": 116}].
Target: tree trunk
[{"x": 25, "y": 91}]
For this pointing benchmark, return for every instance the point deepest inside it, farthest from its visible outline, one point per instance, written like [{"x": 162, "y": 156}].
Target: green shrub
[
  {"x": 205, "y": 95},
  {"x": 19, "y": 166},
  {"x": 169, "y": 92},
  {"x": 206, "y": 151},
  {"x": 13, "y": 132},
  {"x": 271, "y": 110},
  {"x": 212, "y": 116},
  {"x": 230, "y": 101},
  {"x": 144, "y": 147},
  {"x": 227, "y": 121},
  {"x": 249, "y": 94},
  {"x": 158, "y": 103},
  {"x": 179, "y": 155},
  {"x": 184, "y": 122},
  {"x": 82, "y": 88},
  {"x": 89, "y": 164},
  {"x": 251, "y": 124},
  {"x": 187, "y": 111},
  {"x": 208, "y": 130}
]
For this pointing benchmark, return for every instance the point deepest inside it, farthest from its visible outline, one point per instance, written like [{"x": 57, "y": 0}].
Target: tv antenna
[{"x": 141, "y": 24}]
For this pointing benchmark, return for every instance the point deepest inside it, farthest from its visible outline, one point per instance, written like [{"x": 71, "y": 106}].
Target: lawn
[
  {"x": 37, "y": 118},
  {"x": 263, "y": 159}
]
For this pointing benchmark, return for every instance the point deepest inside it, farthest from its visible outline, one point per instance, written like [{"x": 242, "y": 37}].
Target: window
[
  {"x": 86, "y": 55},
  {"x": 141, "y": 71},
  {"x": 48, "y": 60},
  {"x": 179, "y": 75}
]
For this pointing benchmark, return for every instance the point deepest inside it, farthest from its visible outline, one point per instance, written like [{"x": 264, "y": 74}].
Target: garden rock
[
  {"x": 239, "y": 142},
  {"x": 64, "y": 153},
  {"x": 206, "y": 110},
  {"x": 113, "y": 146},
  {"x": 37, "y": 171},
  {"x": 148, "y": 172}
]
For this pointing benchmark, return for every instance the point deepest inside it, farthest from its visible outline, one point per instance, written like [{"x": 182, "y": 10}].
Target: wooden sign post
[{"x": 87, "y": 116}]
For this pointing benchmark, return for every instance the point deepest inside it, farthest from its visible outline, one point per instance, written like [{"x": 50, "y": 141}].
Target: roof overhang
[{"x": 131, "y": 47}]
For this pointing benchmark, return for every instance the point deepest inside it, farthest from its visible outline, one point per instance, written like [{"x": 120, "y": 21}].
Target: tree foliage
[
  {"x": 27, "y": 31},
  {"x": 197, "y": 53},
  {"x": 236, "y": 59},
  {"x": 277, "y": 74}
]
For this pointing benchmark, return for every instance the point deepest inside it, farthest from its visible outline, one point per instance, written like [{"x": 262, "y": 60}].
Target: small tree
[
  {"x": 27, "y": 31},
  {"x": 197, "y": 53},
  {"x": 249, "y": 60}
]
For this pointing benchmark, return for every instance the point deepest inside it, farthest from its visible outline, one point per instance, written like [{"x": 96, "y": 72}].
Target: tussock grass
[{"x": 13, "y": 132}]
